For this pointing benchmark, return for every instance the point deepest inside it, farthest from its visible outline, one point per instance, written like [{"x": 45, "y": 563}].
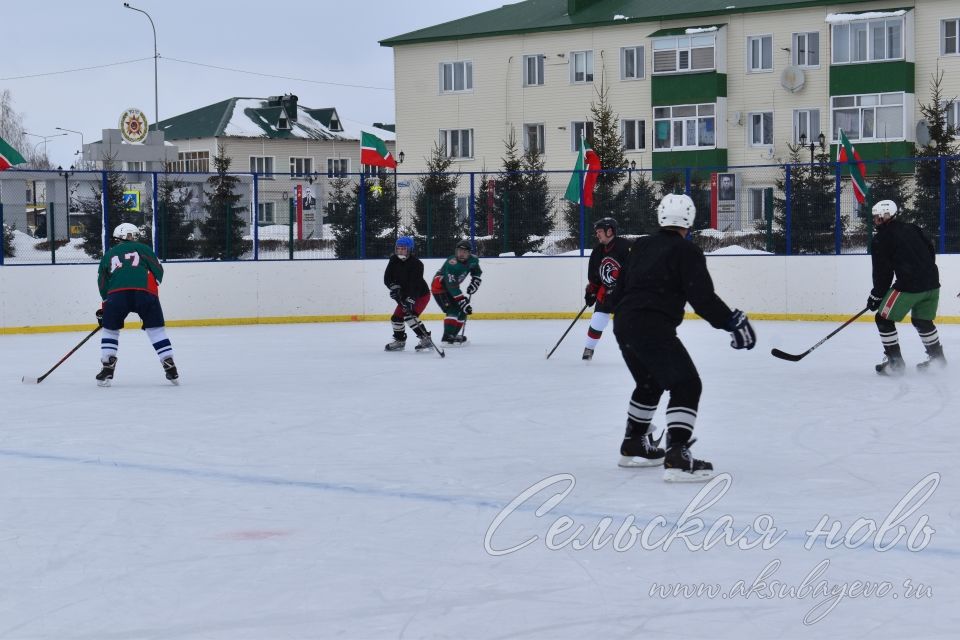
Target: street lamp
[
  {"x": 396, "y": 195},
  {"x": 803, "y": 143},
  {"x": 72, "y": 131},
  {"x": 44, "y": 141},
  {"x": 156, "y": 56}
]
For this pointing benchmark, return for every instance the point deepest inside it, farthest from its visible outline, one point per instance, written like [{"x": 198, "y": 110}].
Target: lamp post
[
  {"x": 803, "y": 143},
  {"x": 396, "y": 195},
  {"x": 156, "y": 56},
  {"x": 44, "y": 141},
  {"x": 77, "y": 132}
]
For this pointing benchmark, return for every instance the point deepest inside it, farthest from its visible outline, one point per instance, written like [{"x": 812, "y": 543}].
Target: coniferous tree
[
  {"x": 221, "y": 232},
  {"x": 636, "y": 209},
  {"x": 928, "y": 159},
  {"x": 538, "y": 202},
  {"x": 175, "y": 233},
  {"x": 92, "y": 209},
  {"x": 812, "y": 201},
  {"x": 435, "y": 220},
  {"x": 375, "y": 211},
  {"x": 485, "y": 211},
  {"x": 344, "y": 219},
  {"x": 8, "y": 249},
  {"x": 508, "y": 232},
  {"x": 608, "y": 145}
]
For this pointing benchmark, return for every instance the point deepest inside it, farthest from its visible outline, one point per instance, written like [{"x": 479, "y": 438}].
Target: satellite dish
[
  {"x": 792, "y": 79},
  {"x": 923, "y": 133}
]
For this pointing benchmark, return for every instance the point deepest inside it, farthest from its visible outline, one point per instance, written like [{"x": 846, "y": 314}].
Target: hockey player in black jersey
[
  {"x": 901, "y": 250},
  {"x": 664, "y": 272},
  {"x": 603, "y": 270},
  {"x": 404, "y": 278}
]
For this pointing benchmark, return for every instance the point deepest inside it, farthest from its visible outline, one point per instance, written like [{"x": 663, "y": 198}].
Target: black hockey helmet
[
  {"x": 464, "y": 244},
  {"x": 606, "y": 224}
]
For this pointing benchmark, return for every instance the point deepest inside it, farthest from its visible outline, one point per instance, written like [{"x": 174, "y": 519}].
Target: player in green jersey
[
  {"x": 129, "y": 277},
  {"x": 446, "y": 290}
]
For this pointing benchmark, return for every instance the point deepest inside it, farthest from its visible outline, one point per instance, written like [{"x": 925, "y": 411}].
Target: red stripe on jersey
[{"x": 888, "y": 306}]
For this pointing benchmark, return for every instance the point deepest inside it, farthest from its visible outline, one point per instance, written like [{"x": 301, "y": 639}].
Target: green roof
[
  {"x": 554, "y": 15},
  {"x": 251, "y": 117}
]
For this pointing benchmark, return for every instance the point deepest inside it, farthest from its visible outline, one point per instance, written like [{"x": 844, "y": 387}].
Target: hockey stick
[
  {"x": 463, "y": 327},
  {"x": 566, "y": 332},
  {"x": 795, "y": 357},
  {"x": 26, "y": 380}
]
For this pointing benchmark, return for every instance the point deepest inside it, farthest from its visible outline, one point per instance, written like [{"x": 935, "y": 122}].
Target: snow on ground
[{"x": 303, "y": 483}]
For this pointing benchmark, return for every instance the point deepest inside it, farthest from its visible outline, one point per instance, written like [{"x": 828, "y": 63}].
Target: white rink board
[{"x": 39, "y": 296}]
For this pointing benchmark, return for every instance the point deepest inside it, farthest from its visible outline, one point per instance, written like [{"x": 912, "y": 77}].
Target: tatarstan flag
[
  {"x": 8, "y": 156},
  {"x": 858, "y": 171},
  {"x": 373, "y": 152},
  {"x": 587, "y": 158}
]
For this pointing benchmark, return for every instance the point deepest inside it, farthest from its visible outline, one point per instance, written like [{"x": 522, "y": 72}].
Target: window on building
[
  {"x": 631, "y": 63},
  {"x": 806, "y": 49},
  {"x": 188, "y": 161},
  {"x": 373, "y": 170},
  {"x": 300, "y": 167},
  {"x": 761, "y": 129},
  {"x": 532, "y": 70},
  {"x": 634, "y": 134},
  {"x": 578, "y": 131},
  {"x": 457, "y": 143},
  {"x": 759, "y": 53},
  {"x": 759, "y": 203},
  {"x": 953, "y": 116},
  {"x": 463, "y": 209},
  {"x": 806, "y": 124},
  {"x": 950, "y": 37},
  {"x": 868, "y": 40},
  {"x": 533, "y": 138},
  {"x": 869, "y": 117},
  {"x": 581, "y": 67},
  {"x": 338, "y": 167},
  {"x": 691, "y": 126},
  {"x": 685, "y": 53},
  {"x": 456, "y": 76},
  {"x": 262, "y": 165},
  {"x": 266, "y": 212}
]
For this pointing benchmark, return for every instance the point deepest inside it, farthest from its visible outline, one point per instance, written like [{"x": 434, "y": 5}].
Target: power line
[
  {"x": 98, "y": 66},
  {"x": 270, "y": 75}
]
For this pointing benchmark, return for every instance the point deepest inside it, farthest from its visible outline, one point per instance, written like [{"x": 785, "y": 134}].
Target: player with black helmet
[
  {"x": 606, "y": 262},
  {"x": 446, "y": 290}
]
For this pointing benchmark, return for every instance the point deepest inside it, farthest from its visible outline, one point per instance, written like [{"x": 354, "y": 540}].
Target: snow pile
[
  {"x": 835, "y": 18},
  {"x": 695, "y": 30},
  {"x": 737, "y": 250},
  {"x": 620, "y": 17}
]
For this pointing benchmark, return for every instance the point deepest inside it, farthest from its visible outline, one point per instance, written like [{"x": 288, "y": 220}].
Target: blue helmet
[{"x": 405, "y": 241}]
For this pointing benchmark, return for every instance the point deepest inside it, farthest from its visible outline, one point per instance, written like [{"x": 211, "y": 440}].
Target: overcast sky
[{"x": 324, "y": 41}]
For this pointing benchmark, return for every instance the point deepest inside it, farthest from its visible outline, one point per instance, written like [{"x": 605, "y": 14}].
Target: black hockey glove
[
  {"x": 873, "y": 301},
  {"x": 742, "y": 335},
  {"x": 464, "y": 305},
  {"x": 395, "y": 293},
  {"x": 590, "y": 295},
  {"x": 474, "y": 285},
  {"x": 100, "y": 316}
]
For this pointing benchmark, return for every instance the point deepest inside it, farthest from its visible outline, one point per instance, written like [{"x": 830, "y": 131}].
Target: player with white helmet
[
  {"x": 902, "y": 251},
  {"x": 129, "y": 277},
  {"x": 664, "y": 272}
]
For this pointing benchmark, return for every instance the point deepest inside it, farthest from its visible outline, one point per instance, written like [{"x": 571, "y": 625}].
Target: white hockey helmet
[
  {"x": 126, "y": 229},
  {"x": 676, "y": 210},
  {"x": 885, "y": 209}
]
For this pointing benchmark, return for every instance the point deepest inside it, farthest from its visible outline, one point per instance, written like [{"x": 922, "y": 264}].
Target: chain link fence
[{"x": 63, "y": 217}]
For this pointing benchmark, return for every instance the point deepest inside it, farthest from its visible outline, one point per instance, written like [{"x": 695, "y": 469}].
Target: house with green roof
[
  {"x": 286, "y": 144},
  {"x": 711, "y": 84}
]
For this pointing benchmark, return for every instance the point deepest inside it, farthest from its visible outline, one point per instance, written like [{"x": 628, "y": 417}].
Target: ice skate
[
  {"x": 425, "y": 344},
  {"x": 448, "y": 339},
  {"x": 399, "y": 342},
  {"x": 935, "y": 360},
  {"x": 106, "y": 373},
  {"x": 680, "y": 466},
  {"x": 170, "y": 369},
  {"x": 641, "y": 452},
  {"x": 588, "y": 354},
  {"x": 892, "y": 366}
]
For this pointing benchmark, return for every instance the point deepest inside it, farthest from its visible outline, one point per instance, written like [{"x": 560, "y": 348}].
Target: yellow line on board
[{"x": 383, "y": 317}]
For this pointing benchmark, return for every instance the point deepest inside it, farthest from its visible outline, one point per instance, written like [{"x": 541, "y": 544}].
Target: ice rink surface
[{"x": 303, "y": 483}]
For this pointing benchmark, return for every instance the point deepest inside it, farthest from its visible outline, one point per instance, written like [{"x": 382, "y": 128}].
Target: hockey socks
[{"x": 160, "y": 341}]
